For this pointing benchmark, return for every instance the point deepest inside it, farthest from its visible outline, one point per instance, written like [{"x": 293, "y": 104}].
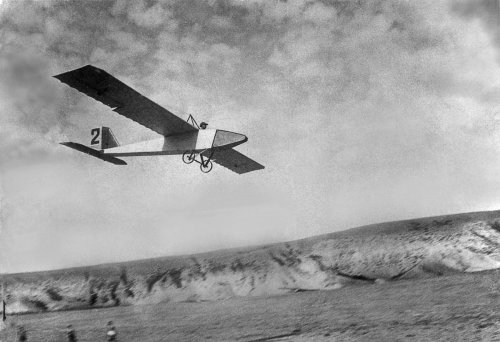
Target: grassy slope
[
  {"x": 458, "y": 307},
  {"x": 376, "y": 253}
]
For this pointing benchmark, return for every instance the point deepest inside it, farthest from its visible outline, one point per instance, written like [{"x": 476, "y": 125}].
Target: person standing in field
[
  {"x": 111, "y": 333},
  {"x": 71, "y": 334},
  {"x": 22, "y": 335}
]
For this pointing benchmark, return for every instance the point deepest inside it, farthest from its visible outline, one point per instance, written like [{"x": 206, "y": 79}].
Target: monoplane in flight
[{"x": 196, "y": 143}]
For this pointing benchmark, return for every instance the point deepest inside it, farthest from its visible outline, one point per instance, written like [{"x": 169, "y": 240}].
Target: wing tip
[{"x": 88, "y": 66}]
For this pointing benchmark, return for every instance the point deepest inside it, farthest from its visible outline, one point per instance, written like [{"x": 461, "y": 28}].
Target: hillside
[{"x": 377, "y": 253}]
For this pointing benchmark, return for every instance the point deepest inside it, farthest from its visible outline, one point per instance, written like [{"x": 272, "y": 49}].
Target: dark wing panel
[
  {"x": 124, "y": 100},
  {"x": 235, "y": 161}
]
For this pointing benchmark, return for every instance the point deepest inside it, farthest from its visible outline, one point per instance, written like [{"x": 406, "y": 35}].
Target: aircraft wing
[
  {"x": 234, "y": 161},
  {"x": 124, "y": 100}
]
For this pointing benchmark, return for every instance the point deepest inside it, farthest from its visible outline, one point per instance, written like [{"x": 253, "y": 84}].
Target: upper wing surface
[
  {"x": 235, "y": 161},
  {"x": 124, "y": 100}
]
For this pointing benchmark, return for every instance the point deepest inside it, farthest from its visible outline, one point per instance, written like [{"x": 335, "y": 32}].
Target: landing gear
[
  {"x": 205, "y": 162},
  {"x": 206, "y": 167},
  {"x": 188, "y": 157}
]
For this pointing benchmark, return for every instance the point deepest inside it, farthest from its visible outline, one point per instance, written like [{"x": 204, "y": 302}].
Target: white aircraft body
[{"x": 195, "y": 142}]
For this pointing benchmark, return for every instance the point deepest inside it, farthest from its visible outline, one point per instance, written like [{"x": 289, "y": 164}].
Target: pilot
[{"x": 203, "y": 125}]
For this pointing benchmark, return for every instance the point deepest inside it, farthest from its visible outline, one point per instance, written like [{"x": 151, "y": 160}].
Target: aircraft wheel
[
  {"x": 188, "y": 157},
  {"x": 206, "y": 167}
]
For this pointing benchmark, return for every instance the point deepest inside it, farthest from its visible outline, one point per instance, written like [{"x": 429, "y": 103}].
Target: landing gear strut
[
  {"x": 206, "y": 166},
  {"x": 205, "y": 162},
  {"x": 188, "y": 157}
]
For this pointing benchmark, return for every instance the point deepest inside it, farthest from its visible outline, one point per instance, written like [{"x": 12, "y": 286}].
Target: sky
[{"x": 361, "y": 111}]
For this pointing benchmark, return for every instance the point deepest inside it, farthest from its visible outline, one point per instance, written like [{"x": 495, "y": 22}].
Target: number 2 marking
[{"x": 95, "y": 136}]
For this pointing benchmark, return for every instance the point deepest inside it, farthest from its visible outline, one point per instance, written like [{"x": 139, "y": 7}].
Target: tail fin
[{"x": 103, "y": 138}]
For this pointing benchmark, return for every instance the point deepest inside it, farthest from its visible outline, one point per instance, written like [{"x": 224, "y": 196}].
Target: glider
[{"x": 195, "y": 142}]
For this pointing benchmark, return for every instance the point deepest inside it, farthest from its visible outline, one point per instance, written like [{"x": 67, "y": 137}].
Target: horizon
[
  {"x": 250, "y": 247},
  {"x": 361, "y": 112}
]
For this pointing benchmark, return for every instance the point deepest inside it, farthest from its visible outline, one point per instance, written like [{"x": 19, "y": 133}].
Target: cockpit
[{"x": 193, "y": 123}]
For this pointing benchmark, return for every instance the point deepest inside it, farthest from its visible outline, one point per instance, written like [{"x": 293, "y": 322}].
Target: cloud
[
  {"x": 148, "y": 17},
  {"x": 484, "y": 10},
  {"x": 361, "y": 112}
]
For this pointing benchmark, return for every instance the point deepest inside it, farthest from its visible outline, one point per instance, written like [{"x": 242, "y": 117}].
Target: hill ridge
[{"x": 375, "y": 253}]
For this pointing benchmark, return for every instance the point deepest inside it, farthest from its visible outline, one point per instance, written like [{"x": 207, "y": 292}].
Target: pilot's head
[{"x": 203, "y": 125}]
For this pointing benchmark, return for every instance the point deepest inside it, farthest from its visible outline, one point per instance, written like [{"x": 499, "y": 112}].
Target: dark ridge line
[
  {"x": 276, "y": 259},
  {"x": 293, "y": 333},
  {"x": 298, "y": 289},
  {"x": 356, "y": 276},
  {"x": 399, "y": 275},
  {"x": 479, "y": 251},
  {"x": 324, "y": 268},
  {"x": 485, "y": 238}
]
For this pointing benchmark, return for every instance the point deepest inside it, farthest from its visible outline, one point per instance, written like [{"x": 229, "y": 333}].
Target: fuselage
[{"x": 197, "y": 141}]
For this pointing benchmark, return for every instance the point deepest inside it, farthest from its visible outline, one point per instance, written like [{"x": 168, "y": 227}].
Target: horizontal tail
[{"x": 94, "y": 153}]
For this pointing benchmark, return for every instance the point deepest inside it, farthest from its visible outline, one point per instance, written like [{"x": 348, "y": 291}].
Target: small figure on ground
[
  {"x": 71, "y": 333},
  {"x": 4, "y": 311},
  {"x": 22, "y": 335},
  {"x": 111, "y": 333}
]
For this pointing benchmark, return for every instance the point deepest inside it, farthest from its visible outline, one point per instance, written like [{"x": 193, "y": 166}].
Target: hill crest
[{"x": 380, "y": 252}]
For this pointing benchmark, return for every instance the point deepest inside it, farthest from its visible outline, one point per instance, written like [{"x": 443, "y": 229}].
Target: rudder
[{"x": 103, "y": 138}]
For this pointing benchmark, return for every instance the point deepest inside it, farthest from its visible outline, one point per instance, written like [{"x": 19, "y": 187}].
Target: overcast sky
[{"x": 361, "y": 111}]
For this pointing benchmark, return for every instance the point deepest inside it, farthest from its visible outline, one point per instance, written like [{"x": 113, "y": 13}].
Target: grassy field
[{"x": 460, "y": 307}]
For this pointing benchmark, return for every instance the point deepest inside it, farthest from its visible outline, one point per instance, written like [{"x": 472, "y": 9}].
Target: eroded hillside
[{"x": 377, "y": 253}]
